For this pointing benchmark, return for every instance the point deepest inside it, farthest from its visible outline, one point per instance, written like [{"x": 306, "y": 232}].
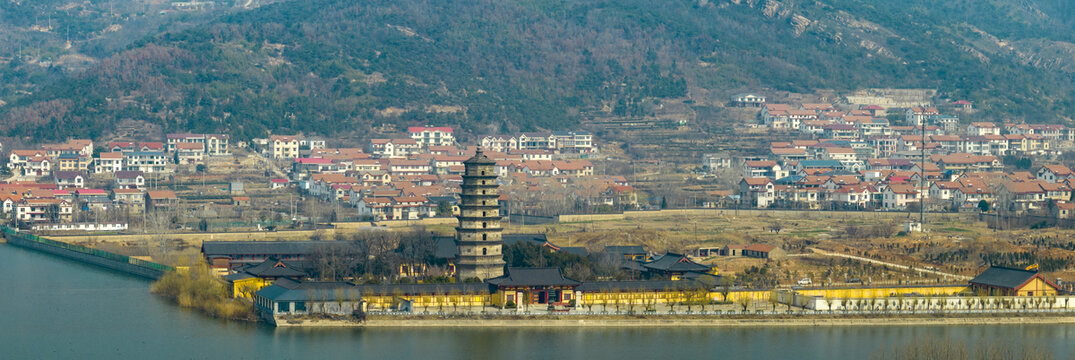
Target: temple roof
[
  {"x": 675, "y": 263},
  {"x": 533, "y": 277}
]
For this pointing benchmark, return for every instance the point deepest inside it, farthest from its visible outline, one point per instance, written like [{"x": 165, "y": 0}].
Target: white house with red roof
[
  {"x": 982, "y": 129},
  {"x": 1055, "y": 173},
  {"x": 394, "y": 148},
  {"x": 897, "y": 196},
  {"x": 427, "y": 136},
  {"x": 757, "y": 191},
  {"x": 284, "y": 146}
]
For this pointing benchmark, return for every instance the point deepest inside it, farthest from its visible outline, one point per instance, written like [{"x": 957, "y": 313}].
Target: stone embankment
[{"x": 685, "y": 321}]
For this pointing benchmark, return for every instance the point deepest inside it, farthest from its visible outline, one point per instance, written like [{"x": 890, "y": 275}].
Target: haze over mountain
[{"x": 324, "y": 66}]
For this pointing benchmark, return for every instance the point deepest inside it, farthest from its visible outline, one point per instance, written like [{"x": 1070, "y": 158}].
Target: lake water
[{"x": 55, "y": 308}]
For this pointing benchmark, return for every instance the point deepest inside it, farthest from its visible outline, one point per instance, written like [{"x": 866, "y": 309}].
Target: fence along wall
[{"x": 87, "y": 255}]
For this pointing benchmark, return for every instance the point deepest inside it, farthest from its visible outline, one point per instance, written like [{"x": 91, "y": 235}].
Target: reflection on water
[{"x": 54, "y": 308}]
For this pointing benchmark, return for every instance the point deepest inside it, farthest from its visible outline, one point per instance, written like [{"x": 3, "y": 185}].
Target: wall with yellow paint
[
  {"x": 883, "y": 292},
  {"x": 428, "y": 301},
  {"x": 664, "y": 297},
  {"x": 246, "y": 288},
  {"x": 1037, "y": 287}
]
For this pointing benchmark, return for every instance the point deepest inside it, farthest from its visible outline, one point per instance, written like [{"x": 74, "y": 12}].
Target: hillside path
[{"x": 892, "y": 265}]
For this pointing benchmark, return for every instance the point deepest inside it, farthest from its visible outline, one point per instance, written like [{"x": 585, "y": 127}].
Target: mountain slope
[{"x": 327, "y": 66}]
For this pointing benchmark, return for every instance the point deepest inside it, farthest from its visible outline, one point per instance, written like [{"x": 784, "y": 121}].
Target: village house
[
  {"x": 72, "y": 162},
  {"x": 70, "y": 179},
  {"x": 982, "y": 129},
  {"x": 917, "y": 116},
  {"x": 18, "y": 159},
  {"x": 375, "y": 207},
  {"x": 1024, "y": 195},
  {"x": 160, "y": 199},
  {"x": 108, "y": 162},
  {"x": 278, "y": 184},
  {"x": 500, "y": 143},
  {"x": 764, "y": 168},
  {"x": 44, "y": 210},
  {"x": 898, "y": 196},
  {"x": 1064, "y": 210},
  {"x": 284, "y": 146},
  {"x": 426, "y": 136},
  {"x": 1055, "y": 173},
  {"x": 148, "y": 162},
  {"x": 93, "y": 199},
  {"x": 314, "y": 165},
  {"x": 130, "y": 180},
  {"x": 748, "y": 100},
  {"x": 757, "y": 192},
  {"x": 210, "y": 144},
  {"x": 537, "y": 141},
  {"x": 580, "y": 142},
  {"x": 133, "y": 200},
  {"x": 576, "y": 168},
  {"x": 394, "y": 148},
  {"x": 189, "y": 153}
]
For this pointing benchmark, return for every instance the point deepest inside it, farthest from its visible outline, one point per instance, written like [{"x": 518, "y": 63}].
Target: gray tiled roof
[
  {"x": 1003, "y": 277},
  {"x": 288, "y": 290},
  {"x": 533, "y": 277},
  {"x": 275, "y": 268},
  {"x": 676, "y": 263}
]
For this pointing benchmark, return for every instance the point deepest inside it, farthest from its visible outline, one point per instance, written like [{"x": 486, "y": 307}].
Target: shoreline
[{"x": 662, "y": 321}]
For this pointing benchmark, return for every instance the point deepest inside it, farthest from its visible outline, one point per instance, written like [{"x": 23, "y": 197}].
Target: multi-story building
[
  {"x": 573, "y": 141},
  {"x": 145, "y": 161},
  {"x": 44, "y": 210},
  {"x": 284, "y": 146},
  {"x": 189, "y": 153},
  {"x": 108, "y": 162},
  {"x": 427, "y": 136},
  {"x": 212, "y": 144},
  {"x": 394, "y": 148}
]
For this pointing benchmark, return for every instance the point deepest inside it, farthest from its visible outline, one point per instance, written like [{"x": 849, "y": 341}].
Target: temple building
[
  {"x": 1004, "y": 281},
  {"x": 675, "y": 267},
  {"x": 478, "y": 235},
  {"x": 539, "y": 286}
]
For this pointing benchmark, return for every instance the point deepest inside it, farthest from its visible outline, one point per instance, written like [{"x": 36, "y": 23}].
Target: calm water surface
[{"x": 55, "y": 308}]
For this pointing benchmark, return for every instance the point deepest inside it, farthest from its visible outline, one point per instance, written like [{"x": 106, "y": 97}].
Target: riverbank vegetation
[
  {"x": 196, "y": 287},
  {"x": 945, "y": 349}
]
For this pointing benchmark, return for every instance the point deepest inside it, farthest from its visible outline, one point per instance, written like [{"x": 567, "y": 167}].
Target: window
[
  {"x": 483, "y": 172},
  {"x": 485, "y": 251},
  {"x": 484, "y": 225},
  {"x": 485, "y": 236},
  {"x": 300, "y": 306}
]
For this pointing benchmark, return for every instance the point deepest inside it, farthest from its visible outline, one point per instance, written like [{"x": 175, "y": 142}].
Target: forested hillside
[{"x": 325, "y": 66}]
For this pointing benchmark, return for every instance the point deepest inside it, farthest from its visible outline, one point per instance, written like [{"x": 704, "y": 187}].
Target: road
[
  {"x": 268, "y": 163},
  {"x": 891, "y": 265}
]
